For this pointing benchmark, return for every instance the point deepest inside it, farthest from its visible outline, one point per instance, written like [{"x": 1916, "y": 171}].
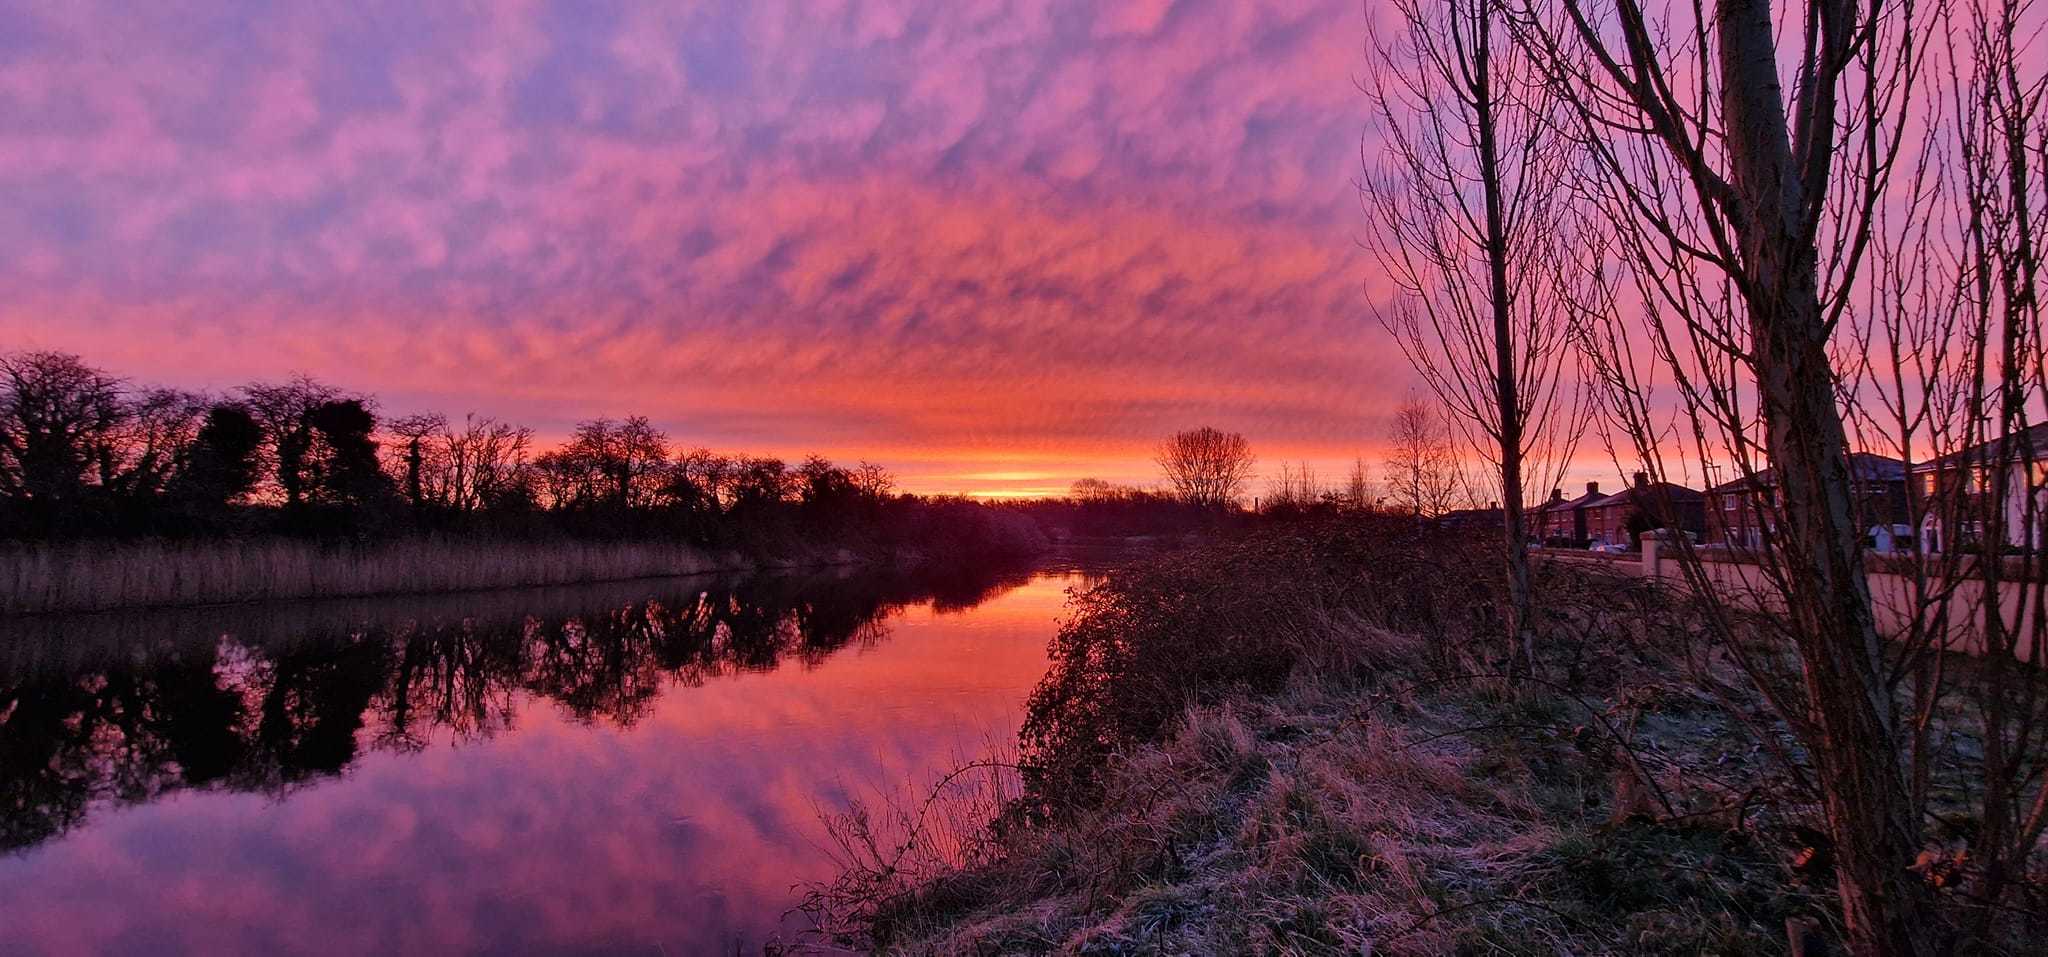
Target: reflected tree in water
[{"x": 269, "y": 713}]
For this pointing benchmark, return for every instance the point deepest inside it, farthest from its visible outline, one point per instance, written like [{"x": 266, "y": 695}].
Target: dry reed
[{"x": 105, "y": 576}]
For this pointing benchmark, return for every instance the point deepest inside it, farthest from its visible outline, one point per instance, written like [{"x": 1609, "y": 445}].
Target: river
[{"x": 626, "y": 768}]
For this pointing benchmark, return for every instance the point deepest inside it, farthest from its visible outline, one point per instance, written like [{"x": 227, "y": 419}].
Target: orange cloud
[{"x": 951, "y": 237}]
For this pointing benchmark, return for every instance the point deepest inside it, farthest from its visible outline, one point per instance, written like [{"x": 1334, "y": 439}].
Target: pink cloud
[{"x": 911, "y": 230}]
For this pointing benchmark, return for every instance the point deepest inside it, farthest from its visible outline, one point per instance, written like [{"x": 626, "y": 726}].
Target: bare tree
[
  {"x": 642, "y": 451},
  {"x": 1091, "y": 490},
  {"x": 1948, "y": 364},
  {"x": 707, "y": 474},
  {"x": 2002, "y": 151},
  {"x": 873, "y": 480},
  {"x": 1469, "y": 206},
  {"x": 282, "y": 408},
  {"x": 1207, "y": 467},
  {"x": 483, "y": 458},
  {"x": 563, "y": 480},
  {"x": 153, "y": 443},
  {"x": 757, "y": 482},
  {"x": 1295, "y": 489},
  {"x": 1359, "y": 491},
  {"x": 1422, "y": 468},
  {"x": 1742, "y": 220},
  {"x": 412, "y": 451},
  {"x": 622, "y": 456},
  {"x": 60, "y": 420}
]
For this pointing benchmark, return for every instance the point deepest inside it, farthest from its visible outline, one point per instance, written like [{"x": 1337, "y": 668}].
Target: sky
[{"x": 996, "y": 246}]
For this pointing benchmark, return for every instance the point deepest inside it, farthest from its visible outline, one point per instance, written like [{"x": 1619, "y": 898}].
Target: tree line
[
  {"x": 85, "y": 454},
  {"x": 1206, "y": 478}
]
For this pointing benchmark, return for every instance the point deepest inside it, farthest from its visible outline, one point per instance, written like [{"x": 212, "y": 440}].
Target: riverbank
[
  {"x": 1298, "y": 743},
  {"x": 106, "y": 576}
]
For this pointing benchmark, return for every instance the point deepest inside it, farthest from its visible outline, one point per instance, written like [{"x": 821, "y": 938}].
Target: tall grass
[{"x": 105, "y": 576}]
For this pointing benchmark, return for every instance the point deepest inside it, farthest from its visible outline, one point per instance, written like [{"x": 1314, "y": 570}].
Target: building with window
[
  {"x": 1562, "y": 520},
  {"x": 1740, "y": 514},
  {"x": 1645, "y": 504},
  {"x": 1956, "y": 493}
]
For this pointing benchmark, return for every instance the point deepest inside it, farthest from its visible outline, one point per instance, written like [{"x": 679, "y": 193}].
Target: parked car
[{"x": 1610, "y": 549}]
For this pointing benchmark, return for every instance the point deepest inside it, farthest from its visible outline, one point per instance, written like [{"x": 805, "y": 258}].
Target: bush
[{"x": 1240, "y": 616}]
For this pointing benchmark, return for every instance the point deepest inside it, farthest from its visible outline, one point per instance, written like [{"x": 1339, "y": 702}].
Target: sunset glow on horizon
[{"x": 994, "y": 246}]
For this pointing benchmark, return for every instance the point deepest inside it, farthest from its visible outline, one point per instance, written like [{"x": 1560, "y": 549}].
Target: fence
[{"x": 1892, "y": 594}]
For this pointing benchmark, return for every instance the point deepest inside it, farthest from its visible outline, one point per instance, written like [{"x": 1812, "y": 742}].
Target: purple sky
[{"x": 996, "y": 245}]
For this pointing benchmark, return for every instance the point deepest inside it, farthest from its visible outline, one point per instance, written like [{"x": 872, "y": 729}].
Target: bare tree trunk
[
  {"x": 1744, "y": 210},
  {"x": 1868, "y": 803},
  {"x": 1470, "y": 204},
  {"x": 1520, "y": 602}
]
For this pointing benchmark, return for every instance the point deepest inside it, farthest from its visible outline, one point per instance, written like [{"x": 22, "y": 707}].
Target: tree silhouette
[
  {"x": 83, "y": 454},
  {"x": 1473, "y": 224},
  {"x": 621, "y": 458},
  {"x": 282, "y": 408},
  {"x": 415, "y": 435},
  {"x": 1422, "y": 468},
  {"x": 223, "y": 464},
  {"x": 1207, "y": 467},
  {"x": 59, "y": 422}
]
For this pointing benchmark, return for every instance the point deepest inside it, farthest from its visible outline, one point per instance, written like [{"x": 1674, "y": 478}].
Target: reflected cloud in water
[{"x": 624, "y": 767}]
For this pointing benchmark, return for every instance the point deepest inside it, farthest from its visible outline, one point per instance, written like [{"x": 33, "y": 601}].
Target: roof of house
[
  {"x": 1667, "y": 492},
  {"x": 1462, "y": 516},
  {"x": 2030, "y": 442},
  {"x": 1863, "y": 467},
  {"x": 1570, "y": 504}
]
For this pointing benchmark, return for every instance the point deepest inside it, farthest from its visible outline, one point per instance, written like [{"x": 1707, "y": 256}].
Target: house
[
  {"x": 1661, "y": 505},
  {"x": 1489, "y": 518},
  {"x": 1560, "y": 519},
  {"x": 1957, "y": 488},
  {"x": 1740, "y": 513}
]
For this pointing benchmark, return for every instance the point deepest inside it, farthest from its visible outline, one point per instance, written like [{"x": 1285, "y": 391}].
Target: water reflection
[{"x": 629, "y": 767}]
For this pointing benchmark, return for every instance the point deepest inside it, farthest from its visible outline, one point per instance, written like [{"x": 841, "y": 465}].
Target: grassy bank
[{"x": 1298, "y": 744}]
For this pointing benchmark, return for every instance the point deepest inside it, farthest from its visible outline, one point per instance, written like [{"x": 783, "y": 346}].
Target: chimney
[
  {"x": 1642, "y": 480},
  {"x": 1557, "y": 495},
  {"x": 1592, "y": 488}
]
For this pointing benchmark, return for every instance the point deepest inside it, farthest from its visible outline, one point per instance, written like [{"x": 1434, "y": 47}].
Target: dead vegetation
[
  {"x": 1280, "y": 745},
  {"x": 107, "y": 575}
]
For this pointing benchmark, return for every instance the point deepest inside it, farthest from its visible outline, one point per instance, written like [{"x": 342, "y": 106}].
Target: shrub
[{"x": 1242, "y": 616}]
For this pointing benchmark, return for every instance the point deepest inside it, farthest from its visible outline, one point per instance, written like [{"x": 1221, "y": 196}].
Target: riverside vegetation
[
  {"x": 100, "y": 576},
  {"x": 1292, "y": 743},
  {"x": 114, "y": 495}
]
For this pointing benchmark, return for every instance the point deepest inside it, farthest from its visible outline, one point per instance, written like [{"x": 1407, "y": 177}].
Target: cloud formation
[{"x": 968, "y": 237}]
